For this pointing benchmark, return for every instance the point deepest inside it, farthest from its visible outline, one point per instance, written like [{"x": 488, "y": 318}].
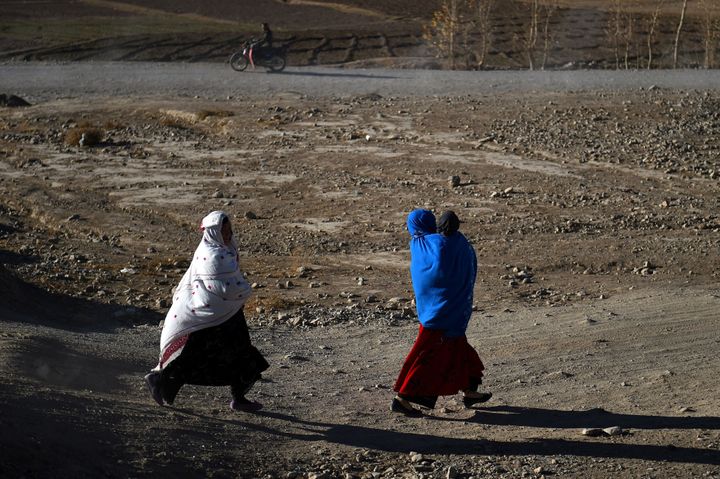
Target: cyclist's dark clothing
[
  {"x": 263, "y": 47},
  {"x": 267, "y": 39}
]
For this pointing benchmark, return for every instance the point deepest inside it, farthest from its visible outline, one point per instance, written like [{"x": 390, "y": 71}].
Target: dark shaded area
[
  {"x": 52, "y": 362},
  {"x": 60, "y": 435},
  {"x": 12, "y": 101},
  {"x": 404, "y": 442},
  {"x": 335, "y": 75},
  {"x": 10, "y": 257},
  {"x": 27, "y": 303},
  {"x": 593, "y": 418}
]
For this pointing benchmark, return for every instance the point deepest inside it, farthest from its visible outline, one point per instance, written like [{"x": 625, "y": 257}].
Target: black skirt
[{"x": 219, "y": 356}]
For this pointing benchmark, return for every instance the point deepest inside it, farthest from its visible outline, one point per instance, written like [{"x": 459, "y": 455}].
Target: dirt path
[
  {"x": 218, "y": 81},
  {"x": 643, "y": 362}
]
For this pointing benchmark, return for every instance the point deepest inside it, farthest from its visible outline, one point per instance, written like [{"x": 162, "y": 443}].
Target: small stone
[
  {"x": 73, "y": 217},
  {"x": 592, "y": 432},
  {"x": 452, "y": 472},
  {"x": 686, "y": 409},
  {"x": 416, "y": 457},
  {"x": 249, "y": 215},
  {"x": 539, "y": 470},
  {"x": 454, "y": 181}
]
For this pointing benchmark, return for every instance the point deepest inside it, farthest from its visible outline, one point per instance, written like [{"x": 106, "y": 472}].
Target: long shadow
[
  {"x": 403, "y": 442},
  {"x": 336, "y": 75},
  {"x": 592, "y": 418}
]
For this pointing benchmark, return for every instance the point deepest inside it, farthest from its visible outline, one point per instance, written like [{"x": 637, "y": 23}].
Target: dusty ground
[{"x": 595, "y": 219}]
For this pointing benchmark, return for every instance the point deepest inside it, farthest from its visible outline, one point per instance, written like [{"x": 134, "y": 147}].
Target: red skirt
[{"x": 439, "y": 366}]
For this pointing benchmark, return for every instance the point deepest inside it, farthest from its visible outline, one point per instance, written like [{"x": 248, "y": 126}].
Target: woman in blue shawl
[{"x": 441, "y": 362}]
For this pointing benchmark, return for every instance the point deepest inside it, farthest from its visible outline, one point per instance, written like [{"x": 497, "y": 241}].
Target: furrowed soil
[
  {"x": 362, "y": 33},
  {"x": 594, "y": 214}
]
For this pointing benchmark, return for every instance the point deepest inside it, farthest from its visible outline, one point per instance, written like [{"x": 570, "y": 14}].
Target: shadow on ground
[
  {"x": 27, "y": 303},
  {"x": 404, "y": 442}
]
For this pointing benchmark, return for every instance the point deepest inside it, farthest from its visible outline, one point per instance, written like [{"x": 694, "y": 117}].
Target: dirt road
[
  {"x": 217, "y": 80},
  {"x": 593, "y": 209}
]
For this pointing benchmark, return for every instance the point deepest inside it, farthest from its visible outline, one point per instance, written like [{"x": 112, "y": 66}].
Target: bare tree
[
  {"x": 444, "y": 32},
  {"x": 621, "y": 32},
  {"x": 711, "y": 34},
  {"x": 615, "y": 28},
  {"x": 551, "y": 7},
  {"x": 652, "y": 30},
  {"x": 529, "y": 38},
  {"x": 677, "y": 33},
  {"x": 628, "y": 33},
  {"x": 482, "y": 25}
]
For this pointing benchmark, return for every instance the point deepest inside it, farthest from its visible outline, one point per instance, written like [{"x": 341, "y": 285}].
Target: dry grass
[
  {"x": 113, "y": 125},
  {"x": 172, "y": 122},
  {"x": 272, "y": 302},
  {"x": 84, "y": 136},
  {"x": 203, "y": 114}
]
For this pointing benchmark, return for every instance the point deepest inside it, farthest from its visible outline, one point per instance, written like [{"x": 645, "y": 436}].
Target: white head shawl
[{"x": 212, "y": 290}]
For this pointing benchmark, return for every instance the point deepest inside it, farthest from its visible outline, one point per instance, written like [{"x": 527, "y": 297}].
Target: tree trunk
[{"x": 677, "y": 34}]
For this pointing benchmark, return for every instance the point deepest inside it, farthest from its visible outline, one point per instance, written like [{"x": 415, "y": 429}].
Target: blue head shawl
[{"x": 443, "y": 271}]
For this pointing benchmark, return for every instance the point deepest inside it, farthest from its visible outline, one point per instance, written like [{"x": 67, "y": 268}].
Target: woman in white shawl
[{"x": 205, "y": 338}]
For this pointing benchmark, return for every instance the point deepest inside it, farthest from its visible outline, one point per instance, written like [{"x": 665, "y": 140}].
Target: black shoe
[
  {"x": 397, "y": 406},
  {"x": 152, "y": 380},
  {"x": 245, "y": 405},
  {"x": 471, "y": 401}
]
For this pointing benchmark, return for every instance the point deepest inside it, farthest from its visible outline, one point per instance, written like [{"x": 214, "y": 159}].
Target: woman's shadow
[{"x": 404, "y": 442}]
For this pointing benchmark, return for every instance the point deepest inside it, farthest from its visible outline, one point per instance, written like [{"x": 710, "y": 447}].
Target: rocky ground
[{"x": 594, "y": 215}]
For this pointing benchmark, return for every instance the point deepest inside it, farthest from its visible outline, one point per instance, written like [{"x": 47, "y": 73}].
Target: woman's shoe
[
  {"x": 153, "y": 383},
  {"x": 245, "y": 405},
  {"x": 470, "y": 401},
  {"x": 399, "y": 407}
]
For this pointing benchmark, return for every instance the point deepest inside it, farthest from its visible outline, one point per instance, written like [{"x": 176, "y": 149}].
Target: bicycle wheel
[{"x": 238, "y": 62}]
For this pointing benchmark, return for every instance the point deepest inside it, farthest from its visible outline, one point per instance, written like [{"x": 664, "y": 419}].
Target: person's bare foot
[{"x": 402, "y": 406}]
